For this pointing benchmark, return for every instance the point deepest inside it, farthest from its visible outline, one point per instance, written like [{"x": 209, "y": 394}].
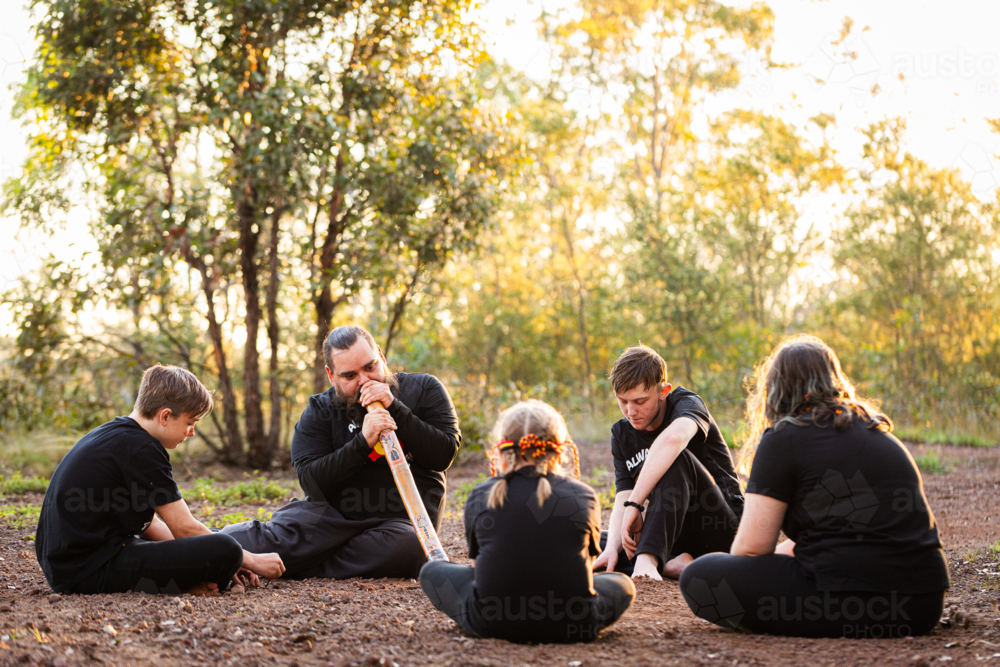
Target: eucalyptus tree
[
  {"x": 203, "y": 136},
  {"x": 922, "y": 254}
]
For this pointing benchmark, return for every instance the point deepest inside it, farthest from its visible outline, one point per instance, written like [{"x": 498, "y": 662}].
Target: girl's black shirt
[
  {"x": 856, "y": 508},
  {"x": 534, "y": 565}
]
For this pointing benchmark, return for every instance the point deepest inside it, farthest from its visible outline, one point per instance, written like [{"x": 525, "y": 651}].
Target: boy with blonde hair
[{"x": 113, "y": 519}]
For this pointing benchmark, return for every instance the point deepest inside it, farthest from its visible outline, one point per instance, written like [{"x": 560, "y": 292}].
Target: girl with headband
[{"x": 533, "y": 533}]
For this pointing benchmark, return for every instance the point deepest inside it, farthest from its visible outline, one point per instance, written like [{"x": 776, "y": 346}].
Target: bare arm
[
  {"x": 662, "y": 454},
  {"x": 609, "y": 557},
  {"x": 181, "y": 523},
  {"x": 760, "y": 526},
  {"x": 157, "y": 531}
]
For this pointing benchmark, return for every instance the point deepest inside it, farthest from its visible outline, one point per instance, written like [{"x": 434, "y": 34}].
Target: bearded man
[{"x": 352, "y": 522}]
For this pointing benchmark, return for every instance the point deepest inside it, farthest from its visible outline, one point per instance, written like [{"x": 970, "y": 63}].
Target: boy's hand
[
  {"x": 631, "y": 530},
  {"x": 268, "y": 566},
  {"x": 608, "y": 559},
  {"x": 246, "y": 578}
]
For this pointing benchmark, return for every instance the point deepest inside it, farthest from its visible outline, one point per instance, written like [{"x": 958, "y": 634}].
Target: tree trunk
[
  {"x": 400, "y": 306},
  {"x": 323, "y": 299},
  {"x": 273, "y": 335},
  {"x": 324, "y": 311},
  {"x": 233, "y": 441},
  {"x": 588, "y": 374},
  {"x": 249, "y": 238}
]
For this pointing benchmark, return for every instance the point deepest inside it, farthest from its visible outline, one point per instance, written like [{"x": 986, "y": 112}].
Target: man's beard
[{"x": 351, "y": 403}]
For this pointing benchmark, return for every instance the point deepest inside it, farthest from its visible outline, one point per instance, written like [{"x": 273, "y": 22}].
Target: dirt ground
[{"x": 385, "y": 622}]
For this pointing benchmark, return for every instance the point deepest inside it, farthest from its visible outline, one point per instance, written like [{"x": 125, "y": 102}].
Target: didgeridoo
[{"x": 408, "y": 490}]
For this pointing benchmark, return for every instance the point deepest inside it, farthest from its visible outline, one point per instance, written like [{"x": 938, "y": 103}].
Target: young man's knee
[
  {"x": 227, "y": 549},
  {"x": 671, "y": 494}
]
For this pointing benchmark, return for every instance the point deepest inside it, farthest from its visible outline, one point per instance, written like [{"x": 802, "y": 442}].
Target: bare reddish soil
[{"x": 322, "y": 622}]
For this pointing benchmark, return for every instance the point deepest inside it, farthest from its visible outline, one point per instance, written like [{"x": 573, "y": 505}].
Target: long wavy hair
[
  {"x": 802, "y": 383},
  {"x": 527, "y": 417}
]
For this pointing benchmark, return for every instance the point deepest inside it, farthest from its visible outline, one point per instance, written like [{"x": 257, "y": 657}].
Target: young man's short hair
[
  {"x": 639, "y": 365},
  {"x": 175, "y": 388}
]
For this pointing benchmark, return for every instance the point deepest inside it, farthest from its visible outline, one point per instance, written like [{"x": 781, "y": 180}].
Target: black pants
[
  {"x": 774, "y": 594},
  {"x": 449, "y": 587},
  {"x": 171, "y": 566},
  {"x": 315, "y": 540},
  {"x": 687, "y": 513}
]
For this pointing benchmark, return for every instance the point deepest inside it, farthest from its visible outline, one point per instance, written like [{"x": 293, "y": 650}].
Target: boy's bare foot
[
  {"x": 647, "y": 565},
  {"x": 206, "y": 588},
  {"x": 675, "y": 566}
]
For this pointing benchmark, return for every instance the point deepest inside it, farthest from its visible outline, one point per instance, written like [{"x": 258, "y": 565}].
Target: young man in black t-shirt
[
  {"x": 669, "y": 451},
  {"x": 113, "y": 519}
]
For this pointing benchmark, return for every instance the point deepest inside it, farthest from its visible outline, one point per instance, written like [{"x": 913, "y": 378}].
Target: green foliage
[
  {"x": 316, "y": 152},
  {"x": 994, "y": 550},
  {"x": 511, "y": 235},
  {"x": 915, "y": 434},
  {"x": 20, "y": 516},
  {"x": 256, "y": 490},
  {"x": 603, "y": 482},
  {"x": 16, "y": 484},
  {"x": 461, "y": 494},
  {"x": 932, "y": 464},
  {"x": 236, "y": 517},
  {"x": 923, "y": 250}
]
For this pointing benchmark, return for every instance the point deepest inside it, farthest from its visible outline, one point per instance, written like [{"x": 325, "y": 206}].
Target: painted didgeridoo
[{"x": 408, "y": 491}]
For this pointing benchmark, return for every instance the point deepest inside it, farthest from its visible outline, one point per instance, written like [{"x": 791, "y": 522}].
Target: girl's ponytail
[{"x": 498, "y": 494}]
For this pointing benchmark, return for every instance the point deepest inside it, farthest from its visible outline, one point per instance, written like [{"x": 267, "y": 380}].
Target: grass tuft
[
  {"x": 20, "y": 516},
  {"x": 236, "y": 517},
  {"x": 932, "y": 464},
  {"x": 16, "y": 484},
  {"x": 461, "y": 494},
  {"x": 256, "y": 490},
  {"x": 919, "y": 435}
]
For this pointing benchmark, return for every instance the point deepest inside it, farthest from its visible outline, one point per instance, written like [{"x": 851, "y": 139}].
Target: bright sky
[{"x": 948, "y": 54}]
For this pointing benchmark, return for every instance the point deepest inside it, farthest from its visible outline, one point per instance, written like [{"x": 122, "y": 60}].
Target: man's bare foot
[
  {"x": 675, "y": 566},
  {"x": 647, "y": 565},
  {"x": 206, "y": 588}
]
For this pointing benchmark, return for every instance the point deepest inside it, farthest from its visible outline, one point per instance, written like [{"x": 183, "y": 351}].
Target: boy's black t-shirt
[
  {"x": 630, "y": 446},
  {"x": 101, "y": 496},
  {"x": 856, "y": 508},
  {"x": 534, "y": 565}
]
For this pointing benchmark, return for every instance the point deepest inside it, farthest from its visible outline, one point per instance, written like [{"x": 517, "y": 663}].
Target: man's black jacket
[{"x": 335, "y": 464}]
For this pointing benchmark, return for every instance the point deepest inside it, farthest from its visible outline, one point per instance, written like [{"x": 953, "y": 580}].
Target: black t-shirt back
[
  {"x": 630, "y": 446},
  {"x": 101, "y": 496},
  {"x": 534, "y": 565},
  {"x": 856, "y": 508}
]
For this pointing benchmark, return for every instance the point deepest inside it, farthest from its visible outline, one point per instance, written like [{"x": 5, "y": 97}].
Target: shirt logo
[
  {"x": 352, "y": 427},
  {"x": 637, "y": 460}
]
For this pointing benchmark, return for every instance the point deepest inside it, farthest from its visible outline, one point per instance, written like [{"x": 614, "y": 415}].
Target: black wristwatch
[{"x": 629, "y": 503}]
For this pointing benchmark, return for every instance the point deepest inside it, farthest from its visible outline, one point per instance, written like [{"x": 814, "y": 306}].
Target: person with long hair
[
  {"x": 533, "y": 532},
  {"x": 863, "y": 558}
]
